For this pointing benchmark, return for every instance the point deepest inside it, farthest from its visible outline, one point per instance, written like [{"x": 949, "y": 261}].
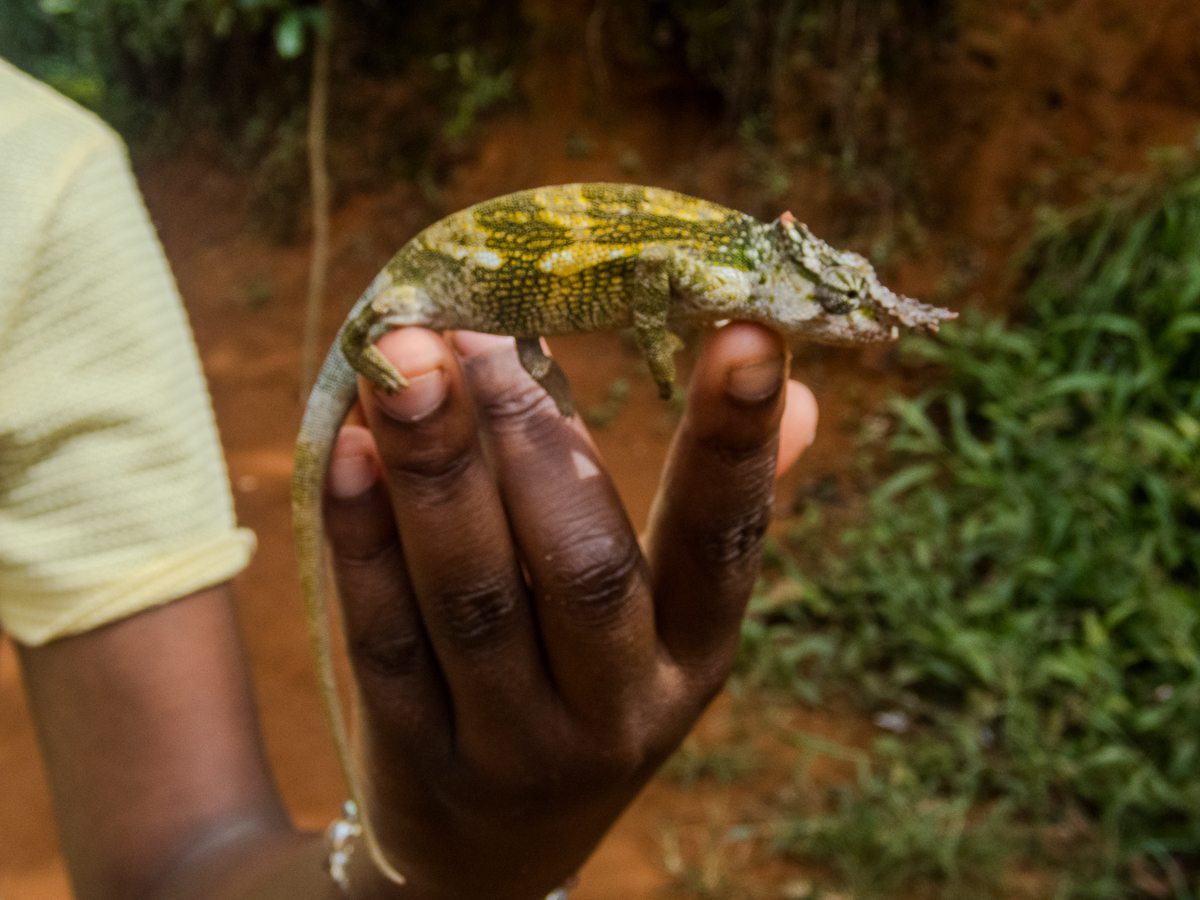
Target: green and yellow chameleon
[{"x": 564, "y": 260}]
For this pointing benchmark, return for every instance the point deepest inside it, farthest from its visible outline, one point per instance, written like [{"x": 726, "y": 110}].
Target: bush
[
  {"x": 236, "y": 64},
  {"x": 1027, "y": 575}
]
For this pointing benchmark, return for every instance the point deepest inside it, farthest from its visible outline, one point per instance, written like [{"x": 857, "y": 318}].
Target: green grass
[
  {"x": 722, "y": 765},
  {"x": 1023, "y": 585}
]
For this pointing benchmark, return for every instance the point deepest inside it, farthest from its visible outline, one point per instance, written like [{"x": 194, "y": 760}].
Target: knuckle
[
  {"x": 519, "y": 401},
  {"x": 430, "y": 472},
  {"x": 392, "y": 655},
  {"x": 736, "y": 540},
  {"x": 476, "y": 616},
  {"x": 386, "y": 640},
  {"x": 596, "y": 577}
]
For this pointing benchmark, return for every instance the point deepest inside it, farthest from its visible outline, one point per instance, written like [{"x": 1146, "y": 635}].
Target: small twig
[
  {"x": 594, "y": 44},
  {"x": 318, "y": 109}
]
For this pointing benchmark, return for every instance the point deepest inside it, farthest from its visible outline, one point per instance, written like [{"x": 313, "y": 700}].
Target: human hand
[{"x": 523, "y": 666}]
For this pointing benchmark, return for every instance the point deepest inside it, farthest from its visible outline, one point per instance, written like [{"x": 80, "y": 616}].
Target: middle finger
[{"x": 463, "y": 567}]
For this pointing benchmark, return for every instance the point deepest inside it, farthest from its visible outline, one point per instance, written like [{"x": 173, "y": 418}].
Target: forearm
[
  {"x": 250, "y": 865},
  {"x": 152, "y": 748}
]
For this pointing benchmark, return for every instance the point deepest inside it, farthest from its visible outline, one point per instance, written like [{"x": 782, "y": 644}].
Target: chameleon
[{"x": 564, "y": 260}]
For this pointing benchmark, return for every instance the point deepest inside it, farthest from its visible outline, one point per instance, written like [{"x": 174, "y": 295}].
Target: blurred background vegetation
[
  {"x": 1018, "y": 601},
  {"x": 158, "y": 71},
  {"x": 1012, "y": 595}
]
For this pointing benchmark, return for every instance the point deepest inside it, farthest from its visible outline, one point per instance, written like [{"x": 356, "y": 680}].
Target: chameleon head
[{"x": 854, "y": 306}]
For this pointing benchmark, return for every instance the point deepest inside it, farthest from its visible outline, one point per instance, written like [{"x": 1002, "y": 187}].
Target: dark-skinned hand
[{"x": 524, "y": 664}]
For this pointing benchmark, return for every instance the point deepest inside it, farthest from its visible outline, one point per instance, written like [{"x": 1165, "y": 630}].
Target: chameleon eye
[{"x": 831, "y": 301}]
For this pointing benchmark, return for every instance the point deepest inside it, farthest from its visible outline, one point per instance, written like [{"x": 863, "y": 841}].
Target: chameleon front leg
[
  {"x": 364, "y": 357},
  {"x": 547, "y": 373},
  {"x": 651, "y": 302},
  {"x": 391, "y": 306}
]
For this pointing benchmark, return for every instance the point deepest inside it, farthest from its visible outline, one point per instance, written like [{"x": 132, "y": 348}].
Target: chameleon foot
[{"x": 547, "y": 373}]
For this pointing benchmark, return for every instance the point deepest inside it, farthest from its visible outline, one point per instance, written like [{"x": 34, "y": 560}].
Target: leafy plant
[
  {"x": 1025, "y": 583},
  {"x": 475, "y": 90},
  {"x": 603, "y": 414},
  {"x": 895, "y": 829},
  {"x": 236, "y": 64},
  {"x": 138, "y": 62},
  {"x": 724, "y": 765}
]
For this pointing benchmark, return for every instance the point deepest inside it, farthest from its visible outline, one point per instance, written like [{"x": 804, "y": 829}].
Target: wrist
[{"x": 355, "y": 875}]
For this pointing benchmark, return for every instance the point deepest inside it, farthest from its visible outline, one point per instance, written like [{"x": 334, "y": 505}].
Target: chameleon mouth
[
  {"x": 909, "y": 312},
  {"x": 878, "y": 322},
  {"x": 856, "y": 327}
]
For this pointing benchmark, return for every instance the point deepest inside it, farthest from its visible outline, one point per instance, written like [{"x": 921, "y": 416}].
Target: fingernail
[
  {"x": 350, "y": 475},
  {"x": 756, "y": 381},
  {"x": 422, "y": 395}
]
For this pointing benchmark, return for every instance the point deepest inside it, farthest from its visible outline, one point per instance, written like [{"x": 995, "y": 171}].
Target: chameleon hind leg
[
  {"x": 547, "y": 373},
  {"x": 651, "y": 304}
]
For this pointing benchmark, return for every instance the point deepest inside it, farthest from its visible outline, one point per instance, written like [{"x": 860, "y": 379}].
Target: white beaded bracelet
[{"x": 340, "y": 837}]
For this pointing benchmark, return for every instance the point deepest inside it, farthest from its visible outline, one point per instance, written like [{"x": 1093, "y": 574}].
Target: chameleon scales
[{"x": 564, "y": 260}]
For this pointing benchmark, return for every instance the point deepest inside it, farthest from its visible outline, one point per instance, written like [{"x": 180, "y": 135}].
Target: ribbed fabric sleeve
[{"x": 113, "y": 491}]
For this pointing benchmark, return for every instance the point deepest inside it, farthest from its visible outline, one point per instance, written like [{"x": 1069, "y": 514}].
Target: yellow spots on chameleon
[
  {"x": 583, "y": 257},
  {"x": 572, "y": 220},
  {"x": 687, "y": 209},
  {"x": 476, "y": 256},
  {"x": 565, "y": 208}
]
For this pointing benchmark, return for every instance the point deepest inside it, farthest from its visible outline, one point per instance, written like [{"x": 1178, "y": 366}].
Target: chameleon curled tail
[
  {"x": 565, "y": 260},
  {"x": 328, "y": 405}
]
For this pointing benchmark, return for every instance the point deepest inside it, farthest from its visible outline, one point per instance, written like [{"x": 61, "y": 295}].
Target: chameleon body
[{"x": 564, "y": 260}]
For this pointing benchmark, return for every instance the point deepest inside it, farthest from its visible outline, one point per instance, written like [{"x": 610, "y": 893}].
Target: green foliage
[
  {"x": 895, "y": 829},
  {"x": 802, "y": 83},
  {"x": 1025, "y": 584},
  {"x": 238, "y": 71},
  {"x": 292, "y": 25},
  {"x": 134, "y": 60},
  {"x": 724, "y": 765},
  {"x": 237, "y": 64},
  {"x": 603, "y": 414},
  {"x": 746, "y": 49},
  {"x": 474, "y": 90}
]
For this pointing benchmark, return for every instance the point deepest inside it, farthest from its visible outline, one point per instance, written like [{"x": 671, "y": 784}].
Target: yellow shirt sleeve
[{"x": 113, "y": 491}]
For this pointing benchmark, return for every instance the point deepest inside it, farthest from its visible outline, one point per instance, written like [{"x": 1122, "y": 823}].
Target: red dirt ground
[{"x": 1022, "y": 108}]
